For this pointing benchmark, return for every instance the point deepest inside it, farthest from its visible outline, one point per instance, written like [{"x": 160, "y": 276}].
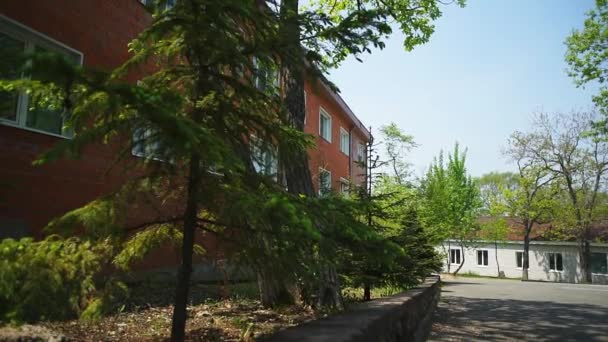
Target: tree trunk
[
  {"x": 183, "y": 278},
  {"x": 273, "y": 290},
  {"x": 367, "y": 292},
  {"x": 297, "y": 172},
  {"x": 462, "y": 261},
  {"x": 496, "y": 256},
  {"x": 585, "y": 256},
  {"x": 525, "y": 264},
  {"x": 449, "y": 256}
]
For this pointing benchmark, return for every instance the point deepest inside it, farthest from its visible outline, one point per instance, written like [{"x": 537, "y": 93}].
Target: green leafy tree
[
  {"x": 389, "y": 207},
  {"x": 495, "y": 227},
  {"x": 560, "y": 146},
  {"x": 451, "y": 201},
  {"x": 191, "y": 116},
  {"x": 531, "y": 201},
  {"x": 325, "y": 33},
  {"x": 396, "y": 146},
  {"x": 587, "y": 56}
]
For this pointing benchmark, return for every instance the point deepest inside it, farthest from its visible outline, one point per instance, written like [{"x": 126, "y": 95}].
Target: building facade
[
  {"x": 556, "y": 261},
  {"x": 95, "y": 33}
]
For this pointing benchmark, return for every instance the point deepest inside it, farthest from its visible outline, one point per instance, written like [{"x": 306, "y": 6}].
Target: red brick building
[{"x": 95, "y": 33}]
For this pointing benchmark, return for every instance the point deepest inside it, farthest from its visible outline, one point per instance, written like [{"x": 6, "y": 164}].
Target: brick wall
[
  {"x": 328, "y": 154},
  {"x": 101, "y": 29}
]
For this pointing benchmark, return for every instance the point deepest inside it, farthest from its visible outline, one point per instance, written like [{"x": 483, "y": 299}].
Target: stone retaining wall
[{"x": 403, "y": 317}]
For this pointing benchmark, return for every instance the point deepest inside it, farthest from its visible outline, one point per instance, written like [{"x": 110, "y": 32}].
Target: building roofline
[
  {"x": 540, "y": 243},
  {"x": 344, "y": 106},
  {"x": 340, "y": 101}
]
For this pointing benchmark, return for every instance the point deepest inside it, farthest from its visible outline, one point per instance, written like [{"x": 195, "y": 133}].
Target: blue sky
[{"x": 486, "y": 70}]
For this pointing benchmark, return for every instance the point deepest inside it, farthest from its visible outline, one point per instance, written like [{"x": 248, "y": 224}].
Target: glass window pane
[
  {"x": 11, "y": 51},
  {"x": 552, "y": 261},
  {"x": 560, "y": 265},
  {"x": 44, "y": 119},
  {"x": 519, "y": 256},
  {"x": 599, "y": 263}
]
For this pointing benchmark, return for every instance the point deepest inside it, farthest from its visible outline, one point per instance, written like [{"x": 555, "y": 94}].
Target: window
[
  {"x": 324, "y": 181},
  {"x": 519, "y": 259},
  {"x": 482, "y": 258},
  {"x": 455, "y": 256},
  {"x": 555, "y": 262},
  {"x": 168, "y": 3},
  {"x": 599, "y": 263},
  {"x": 146, "y": 144},
  {"x": 324, "y": 125},
  {"x": 264, "y": 158},
  {"x": 344, "y": 141},
  {"x": 361, "y": 153},
  {"x": 17, "y": 109},
  {"x": 344, "y": 187},
  {"x": 265, "y": 76}
]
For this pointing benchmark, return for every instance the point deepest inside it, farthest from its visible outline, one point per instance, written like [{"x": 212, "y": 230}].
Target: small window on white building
[
  {"x": 599, "y": 263},
  {"x": 519, "y": 259},
  {"x": 324, "y": 125},
  {"x": 344, "y": 141},
  {"x": 556, "y": 262},
  {"x": 324, "y": 181},
  {"x": 482, "y": 258},
  {"x": 455, "y": 256}
]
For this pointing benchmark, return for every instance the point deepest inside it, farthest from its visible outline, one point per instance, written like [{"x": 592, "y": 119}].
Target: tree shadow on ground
[{"x": 474, "y": 319}]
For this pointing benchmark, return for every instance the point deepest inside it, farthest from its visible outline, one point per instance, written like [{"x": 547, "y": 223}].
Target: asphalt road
[{"x": 479, "y": 309}]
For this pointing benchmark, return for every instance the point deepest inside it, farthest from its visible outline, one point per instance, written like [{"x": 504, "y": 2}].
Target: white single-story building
[{"x": 549, "y": 260}]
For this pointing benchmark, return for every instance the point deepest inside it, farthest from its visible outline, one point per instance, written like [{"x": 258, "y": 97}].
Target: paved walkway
[{"x": 478, "y": 309}]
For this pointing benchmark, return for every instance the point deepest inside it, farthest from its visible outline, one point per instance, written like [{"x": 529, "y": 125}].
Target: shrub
[{"x": 49, "y": 279}]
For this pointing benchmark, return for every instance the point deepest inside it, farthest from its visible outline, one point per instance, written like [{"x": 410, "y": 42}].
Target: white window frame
[
  {"x": 361, "y": 152},
  {"x": 549, "y": 255},
  {"x": 267, "y": 170},
  {"x": 32, "y": 38},
  {"x": 344, "y": 148},
  {"x": 324, "y": 113},
  {"x": 459, "y": 256},
  {"x": 323, "y": 170},
  {"x": 266, "y": 72},
  {"x": 487, "y": 260},
  {"x": 345, "y": 182},
  {"x": 521, "y": 260}
]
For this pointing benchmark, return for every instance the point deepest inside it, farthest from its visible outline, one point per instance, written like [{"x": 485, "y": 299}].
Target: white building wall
[{"x": 539, "y": 260}]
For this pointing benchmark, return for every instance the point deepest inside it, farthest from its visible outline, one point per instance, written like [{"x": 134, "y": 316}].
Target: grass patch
[{"x": 355, "y": 294}]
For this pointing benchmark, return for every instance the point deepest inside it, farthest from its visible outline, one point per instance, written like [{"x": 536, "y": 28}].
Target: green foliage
[
  {"x": 450, "y": 199},
  {"x": 587, "y": 55},
  {"x": 404, "y": 254},
  {"x": 49, "y": 279},
  {"x": 193, "y": 114},
  {"x": 143, "y": 242},
  {"x": 397, "y": 145}
]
